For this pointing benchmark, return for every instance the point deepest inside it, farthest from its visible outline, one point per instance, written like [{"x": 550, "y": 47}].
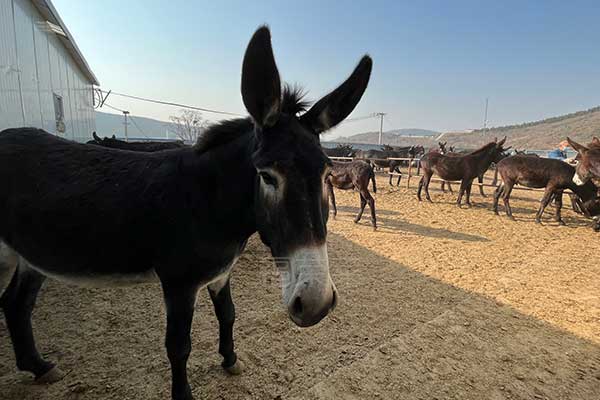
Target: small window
[{"x": 59, "y": 113}]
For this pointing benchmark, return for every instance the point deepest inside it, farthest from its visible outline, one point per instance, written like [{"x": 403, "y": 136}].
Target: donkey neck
[
  {"x": 224, "y": 178},
  {"x": 483, "y": 158}
]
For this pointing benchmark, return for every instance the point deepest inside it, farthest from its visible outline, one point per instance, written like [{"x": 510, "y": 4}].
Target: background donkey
[
  {"x": 148, "y": 146},
  {"x": 453, "y": 168},
  {"x": 553, "y": 175},
  {"x": 174, "y": 215},
  {"x": 353, "y": 175}
]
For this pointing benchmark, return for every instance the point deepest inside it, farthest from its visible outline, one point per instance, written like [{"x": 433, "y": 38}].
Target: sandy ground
[{"x": 439, "y": 303}]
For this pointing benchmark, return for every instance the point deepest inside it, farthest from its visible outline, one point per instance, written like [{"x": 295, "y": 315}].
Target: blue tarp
[{"x": 558, "y": 154}]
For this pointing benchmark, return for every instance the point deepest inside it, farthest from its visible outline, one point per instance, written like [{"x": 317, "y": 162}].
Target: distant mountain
[
  {"x": 538, "y": 135},
  {"x": 112, "y": 124},
  {"x": 391, "y": 137}
]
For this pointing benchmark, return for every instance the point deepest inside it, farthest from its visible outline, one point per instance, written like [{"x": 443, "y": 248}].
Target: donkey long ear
[
  {"x": 96, "y": 138},
  {"x": 578, "y": 147},
  {"x": 261, "y": 86},
  {"x": 595, "y": 141},
  {"x": 500, "y": 143},
  {"x": 337, "y": 105}
]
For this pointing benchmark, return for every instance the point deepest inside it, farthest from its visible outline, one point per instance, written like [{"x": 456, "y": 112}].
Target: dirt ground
[{"x": 439, "y": 303}]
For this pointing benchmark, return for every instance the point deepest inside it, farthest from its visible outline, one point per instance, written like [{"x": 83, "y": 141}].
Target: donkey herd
[{"x": 174, "y": 217}]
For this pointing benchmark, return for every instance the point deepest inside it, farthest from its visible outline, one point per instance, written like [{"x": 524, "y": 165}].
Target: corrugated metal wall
[{"x": 34, "y": 65}]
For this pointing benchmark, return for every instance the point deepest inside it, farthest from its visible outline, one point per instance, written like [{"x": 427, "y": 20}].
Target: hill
[
  {"x": 394, "y": 137},
  {"x": 539, "y": 135},
  {"x": 109, "y": 124}
]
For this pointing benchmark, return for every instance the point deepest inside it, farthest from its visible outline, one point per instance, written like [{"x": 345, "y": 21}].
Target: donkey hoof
[
  {"x": 54, "y": 375},
  {"x": 235, "y": 369}
]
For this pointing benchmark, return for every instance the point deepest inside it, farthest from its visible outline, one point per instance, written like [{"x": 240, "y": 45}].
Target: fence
[{"x": 409, "y": 174}]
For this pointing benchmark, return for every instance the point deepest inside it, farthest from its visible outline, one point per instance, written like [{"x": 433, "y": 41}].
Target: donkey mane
[
  {"x": 222, "y": 132},
  {"x": 482, "y": 148},
  {"x": 292, "y": 100},
  {"x": 292, "y": 103}
]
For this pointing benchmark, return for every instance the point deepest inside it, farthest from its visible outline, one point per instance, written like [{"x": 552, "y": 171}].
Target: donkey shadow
[{"x": 395, "y": 226}]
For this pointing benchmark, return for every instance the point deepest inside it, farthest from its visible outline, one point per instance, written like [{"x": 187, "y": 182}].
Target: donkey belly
[{"x": 10, "y": 259}]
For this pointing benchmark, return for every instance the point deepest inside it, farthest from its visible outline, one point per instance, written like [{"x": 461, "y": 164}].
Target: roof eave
[{"x": 46, "y": 8}]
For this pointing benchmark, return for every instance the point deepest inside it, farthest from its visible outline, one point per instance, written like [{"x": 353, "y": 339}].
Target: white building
[{"x": 45, "y": 81}]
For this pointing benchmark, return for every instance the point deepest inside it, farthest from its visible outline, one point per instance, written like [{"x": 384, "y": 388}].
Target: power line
[
  {"x": 130, "y": 118},
  {"x": 137, "y": 126},
  {"x": 114, "y": 108},
  {"x": 169, "y": 103},
  {"x": 358, "y": 118}
]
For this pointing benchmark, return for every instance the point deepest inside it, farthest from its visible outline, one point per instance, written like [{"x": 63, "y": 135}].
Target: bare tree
[{"x": 188, "y": 125}]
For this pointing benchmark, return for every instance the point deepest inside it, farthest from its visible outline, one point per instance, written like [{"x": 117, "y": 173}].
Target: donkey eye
[{"x": 268, "y": 178}]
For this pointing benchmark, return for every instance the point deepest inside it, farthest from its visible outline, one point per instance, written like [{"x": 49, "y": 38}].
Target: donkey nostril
[{"x": 297, "y": 306}]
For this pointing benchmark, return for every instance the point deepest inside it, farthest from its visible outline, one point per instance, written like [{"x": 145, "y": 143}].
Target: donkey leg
[
  {"x": 443, "y": 187},
  {"x": 497, "y": 194},
  {"x": 480, "y": 180},
  {"x": 461, "y": 192},
  {"x": 450, "y": 188},
  {"x": 426, "y": 184},
  {"x": 420, "y": 188},
  {"x": 508, "y": 186},
  {"x": 399, "y": 176},
  {"x": 391, "y": 171},
  {"x": 558, "y": 202},
  {"x": 18, "y": 302},
  {"x": 179, "y": 301},
  {"x": 369, "y": 199},
  {"x": 220, "y": 294},
  {"x": 468, "y": 190},
  {"x": 363, "y": 203},
  {"x": 332, "y": 198},
  {"x": 543, "y": 204}
]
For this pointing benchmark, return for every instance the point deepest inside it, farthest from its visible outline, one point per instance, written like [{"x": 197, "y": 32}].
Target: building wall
[{"x": 34, "y": 65}]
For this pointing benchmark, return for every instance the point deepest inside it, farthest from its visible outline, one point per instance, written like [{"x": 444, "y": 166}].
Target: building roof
[{"x": 46, "y": 8}]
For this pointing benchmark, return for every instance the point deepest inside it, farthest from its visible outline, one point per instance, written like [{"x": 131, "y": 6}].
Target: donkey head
[
  {"x": 589, "y": 162},
  {"x": 497, "y": 151},
  {"x": 442, "y": 146},
  {"x": 290, "y": 197}
]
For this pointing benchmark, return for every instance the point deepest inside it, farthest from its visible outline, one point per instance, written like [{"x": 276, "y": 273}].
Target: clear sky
[{"x": 435, "y": 62}]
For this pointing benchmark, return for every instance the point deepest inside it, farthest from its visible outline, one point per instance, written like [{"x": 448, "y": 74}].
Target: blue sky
[{"x": 435, "y": 62}]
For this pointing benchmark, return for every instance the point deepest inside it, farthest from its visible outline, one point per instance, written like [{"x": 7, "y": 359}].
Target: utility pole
[
  {"x": 125, "y": 123},
  {"x": 485, "y": 117},
  {"x": 380, "y": 115}
]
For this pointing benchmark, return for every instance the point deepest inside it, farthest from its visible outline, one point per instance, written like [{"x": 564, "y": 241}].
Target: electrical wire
[{"x": 169, "y": 103}]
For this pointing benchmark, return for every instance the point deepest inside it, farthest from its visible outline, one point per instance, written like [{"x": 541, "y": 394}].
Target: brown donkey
[
  {"x": 353, "y": 175},
  {"x": 553, "y": 175},
  {"x": 464, "y": 168}
]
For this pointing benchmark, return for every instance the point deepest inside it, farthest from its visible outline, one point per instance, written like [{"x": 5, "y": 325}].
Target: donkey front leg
[
  {"x": 543, "y": 204},
  {"x": 179, "y": 300},
  {"x": 220, "y": 294},
  {"x": 363, "y": 204},
  {"x": 18, "y": 302},
  {"x": 461, "y": 192},
  {"x": 497, "y": 195},
  {"x": 558, "y": 202},
  {"x": 480, "y": 180},
  {"x": 331, "y": 196},
  {"x": 468, "y": 190}
]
